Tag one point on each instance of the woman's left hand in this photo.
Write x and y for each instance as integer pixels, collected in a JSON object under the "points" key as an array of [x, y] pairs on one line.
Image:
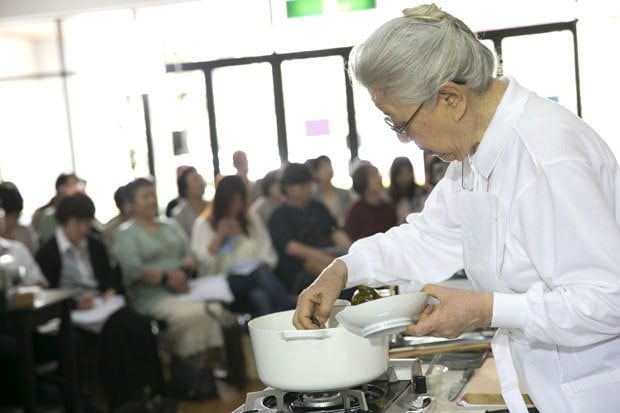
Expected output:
{"points": [[177, 281], [109, 293], [189, 262], [458, 311]]}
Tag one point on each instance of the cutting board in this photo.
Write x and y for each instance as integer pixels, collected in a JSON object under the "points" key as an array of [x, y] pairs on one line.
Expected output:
{"points": [[484, 386]]}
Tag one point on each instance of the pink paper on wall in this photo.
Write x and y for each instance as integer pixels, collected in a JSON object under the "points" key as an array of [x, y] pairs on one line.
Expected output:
{"points": [[317, 127]]}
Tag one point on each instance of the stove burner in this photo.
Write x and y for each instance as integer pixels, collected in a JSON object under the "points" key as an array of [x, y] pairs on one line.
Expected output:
{"points": [[321, 400], [351, 400], [374, 393], [365, 398]]}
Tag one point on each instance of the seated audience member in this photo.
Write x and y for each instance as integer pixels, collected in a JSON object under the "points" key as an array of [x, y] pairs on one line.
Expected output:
{"points": [[124, 214], [405, 194], [191, 186], [435, 170], [74, 257], [9, 366], [229, 239], [241, 164], [337, 200], [370, 214], [43, 219], [264, 205], [32, 274], [13, 205], [305, 235], [173, 202], [156, 262]]}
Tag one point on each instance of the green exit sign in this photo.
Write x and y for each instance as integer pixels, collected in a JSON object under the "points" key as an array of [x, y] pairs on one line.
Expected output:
{"points": [[305, 8], [352, 5]]}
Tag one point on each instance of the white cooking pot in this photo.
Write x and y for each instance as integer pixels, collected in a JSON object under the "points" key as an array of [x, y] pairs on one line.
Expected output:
{"points": [[314, 360]]}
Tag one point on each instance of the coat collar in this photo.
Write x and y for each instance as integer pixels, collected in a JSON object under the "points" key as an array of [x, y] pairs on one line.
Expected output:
{"points": [[502, 124], [64, 244]]}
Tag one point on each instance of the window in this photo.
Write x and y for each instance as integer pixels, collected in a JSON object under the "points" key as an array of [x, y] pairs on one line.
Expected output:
{"points": [[33, 133], [104, 90], [316, 113], [29, 49], [245, 117], [377, 143], [544, 64], [178, 107], [34, 138]]}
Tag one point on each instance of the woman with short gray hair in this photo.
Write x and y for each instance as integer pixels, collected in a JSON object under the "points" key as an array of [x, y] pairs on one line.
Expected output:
{"points": [[529, 207]]}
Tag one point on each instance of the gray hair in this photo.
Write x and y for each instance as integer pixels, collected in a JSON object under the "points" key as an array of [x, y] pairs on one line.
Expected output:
{"points": [[409, 58]]}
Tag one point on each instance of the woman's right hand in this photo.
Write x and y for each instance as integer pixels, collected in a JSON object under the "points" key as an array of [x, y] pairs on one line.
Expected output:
{"points": [[228, 226], [86, 301], [315, 302], [177, 281]]}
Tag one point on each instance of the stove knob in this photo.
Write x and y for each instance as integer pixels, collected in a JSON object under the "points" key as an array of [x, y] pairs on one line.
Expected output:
{"points": [[419, 385]]}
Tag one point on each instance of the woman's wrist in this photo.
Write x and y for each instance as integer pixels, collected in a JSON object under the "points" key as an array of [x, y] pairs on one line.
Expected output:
{"points": [[214, 246], [341, 271], [189, 271]]}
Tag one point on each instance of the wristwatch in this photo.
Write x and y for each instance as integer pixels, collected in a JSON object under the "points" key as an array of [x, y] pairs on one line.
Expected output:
{"points": [[189, 271], [164, 278]]}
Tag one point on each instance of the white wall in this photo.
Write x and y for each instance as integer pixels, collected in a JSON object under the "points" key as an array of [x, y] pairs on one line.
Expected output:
{"points": [[34, 9], [599, 62]]}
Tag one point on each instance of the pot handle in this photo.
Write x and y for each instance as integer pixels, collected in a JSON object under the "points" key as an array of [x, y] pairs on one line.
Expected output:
{"points": [[319, 334]]}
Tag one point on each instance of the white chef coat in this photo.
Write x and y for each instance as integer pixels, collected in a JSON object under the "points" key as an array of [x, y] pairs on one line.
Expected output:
{"points": [[556, 257]]}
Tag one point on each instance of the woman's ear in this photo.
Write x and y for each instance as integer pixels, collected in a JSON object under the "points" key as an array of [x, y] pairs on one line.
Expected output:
{"points": [[453, 98]]}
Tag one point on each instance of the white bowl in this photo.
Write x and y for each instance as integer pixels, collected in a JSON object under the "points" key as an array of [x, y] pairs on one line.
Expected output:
{"points": [[383, 316]]}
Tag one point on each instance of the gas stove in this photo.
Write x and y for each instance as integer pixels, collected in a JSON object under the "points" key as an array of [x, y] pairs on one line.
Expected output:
{"points": [[400, 389]]}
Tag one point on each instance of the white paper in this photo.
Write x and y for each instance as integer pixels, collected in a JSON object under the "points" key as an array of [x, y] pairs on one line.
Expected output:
{"points": [[209, 288], [94, 319], [245, 267], [50, 328], [91, 320]]}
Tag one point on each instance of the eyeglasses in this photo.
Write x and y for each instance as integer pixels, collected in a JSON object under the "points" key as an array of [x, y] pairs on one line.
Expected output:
{"points": [[401, 132]]}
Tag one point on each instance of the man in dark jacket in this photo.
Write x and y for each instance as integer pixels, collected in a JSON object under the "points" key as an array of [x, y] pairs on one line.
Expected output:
{"points": [[305, 235]]}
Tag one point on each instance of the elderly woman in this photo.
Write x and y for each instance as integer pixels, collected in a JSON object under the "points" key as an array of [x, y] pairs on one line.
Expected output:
{"points": [[529, 206], [156, 261]]}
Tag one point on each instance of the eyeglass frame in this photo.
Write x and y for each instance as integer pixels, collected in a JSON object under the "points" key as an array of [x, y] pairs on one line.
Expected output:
{"points": [[400, 132]]}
